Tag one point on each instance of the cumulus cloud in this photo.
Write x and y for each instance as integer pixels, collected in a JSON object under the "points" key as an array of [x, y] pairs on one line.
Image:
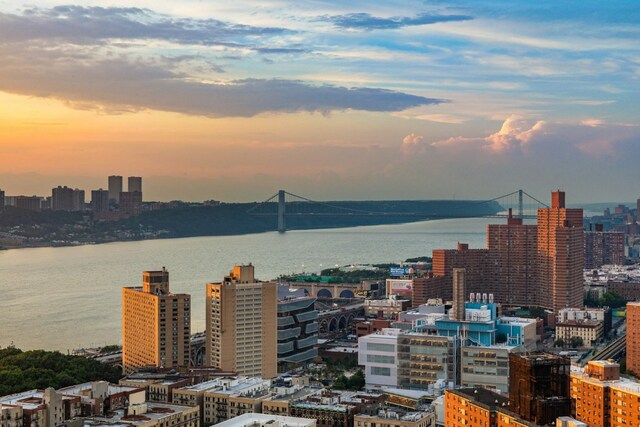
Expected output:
{"points": [[529, 137], [514, 135], [412, 144], [367, 22]]}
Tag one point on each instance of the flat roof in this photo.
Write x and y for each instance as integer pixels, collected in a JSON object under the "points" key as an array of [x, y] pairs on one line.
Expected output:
{"points": [[298, 394], [242, 385], [264, 419], [412, 394], [30, 399], [155, 411], [486, 397], [78, 389]]}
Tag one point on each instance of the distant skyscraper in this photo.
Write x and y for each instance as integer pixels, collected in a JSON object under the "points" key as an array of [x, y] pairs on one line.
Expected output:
{"points": [[156, 324], [134, 183], [1, 200], [561, 253], [115, 188], [241, 331], [62, 198], [77, 200], [100, 200]]}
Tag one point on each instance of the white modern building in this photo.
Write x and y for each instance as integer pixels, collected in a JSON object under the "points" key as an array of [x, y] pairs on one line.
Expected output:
{"points": [[378, 354]]}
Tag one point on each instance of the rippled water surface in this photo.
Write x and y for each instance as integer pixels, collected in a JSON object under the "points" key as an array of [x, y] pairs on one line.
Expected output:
{"points": [[65, 298]]}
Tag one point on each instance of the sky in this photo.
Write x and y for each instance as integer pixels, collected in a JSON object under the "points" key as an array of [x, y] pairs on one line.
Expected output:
{"points": [[331, 100]]}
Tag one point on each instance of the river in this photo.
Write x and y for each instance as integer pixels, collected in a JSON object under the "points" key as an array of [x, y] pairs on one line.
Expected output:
{"points": [[70, 297]]}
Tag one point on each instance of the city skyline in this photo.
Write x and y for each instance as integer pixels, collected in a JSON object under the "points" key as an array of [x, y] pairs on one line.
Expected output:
{"points": [[401, 100]]}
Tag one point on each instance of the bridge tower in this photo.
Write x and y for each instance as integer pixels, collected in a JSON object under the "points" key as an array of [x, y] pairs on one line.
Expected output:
{"points": [[520, 204], [282, 227]]}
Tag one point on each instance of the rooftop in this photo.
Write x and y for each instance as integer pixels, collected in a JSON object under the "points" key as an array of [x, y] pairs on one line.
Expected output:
{"points": [[155, 411], [27, 399], [205, 386], [488, 398], [252, 419], [411, 394], [623, 384], [242, 385], [85, 388], [390, 414], [295, 393]]}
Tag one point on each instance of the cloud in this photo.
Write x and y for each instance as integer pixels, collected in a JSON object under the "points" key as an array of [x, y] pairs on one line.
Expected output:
{"points": [[413, 144], [125, 84], [531, 138], [367, 22], [96, 25]]}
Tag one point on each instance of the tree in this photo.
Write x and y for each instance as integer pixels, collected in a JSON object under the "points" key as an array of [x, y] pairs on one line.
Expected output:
{"points": [[20, 371], [559, 343], [576, 342]]}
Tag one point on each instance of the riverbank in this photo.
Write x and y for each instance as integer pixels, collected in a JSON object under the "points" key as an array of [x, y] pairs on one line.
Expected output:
{"points": [[27, 229]]}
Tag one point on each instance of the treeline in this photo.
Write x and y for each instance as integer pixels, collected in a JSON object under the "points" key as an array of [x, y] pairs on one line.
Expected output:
{"points": [[234, 218], [608, 299], [39, 369]]}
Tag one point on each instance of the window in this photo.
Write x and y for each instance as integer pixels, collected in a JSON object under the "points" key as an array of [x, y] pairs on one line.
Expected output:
{"points": [[372, 346], [385, 372], [376, 358]]}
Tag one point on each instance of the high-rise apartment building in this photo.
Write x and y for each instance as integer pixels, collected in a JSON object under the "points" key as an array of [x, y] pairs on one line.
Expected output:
{"points": [[241, 319], [156, 324], [603, 247], [134, 183], [561, 253], [523, 265], [67, 199], [130, 203], [115, 188], [77, 200], [633, 337], [100, 200], [62, 198], [513, 247], [32, 203]]}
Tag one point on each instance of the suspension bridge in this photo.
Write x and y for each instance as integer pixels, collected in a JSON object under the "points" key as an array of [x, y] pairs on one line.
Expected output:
{"points": [[285, 205]]}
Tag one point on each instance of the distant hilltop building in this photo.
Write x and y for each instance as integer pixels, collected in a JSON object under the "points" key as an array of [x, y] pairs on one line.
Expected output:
{"points": [[134, 183], [67, 199], [100, 201], [115, 188], [121, 204]]}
